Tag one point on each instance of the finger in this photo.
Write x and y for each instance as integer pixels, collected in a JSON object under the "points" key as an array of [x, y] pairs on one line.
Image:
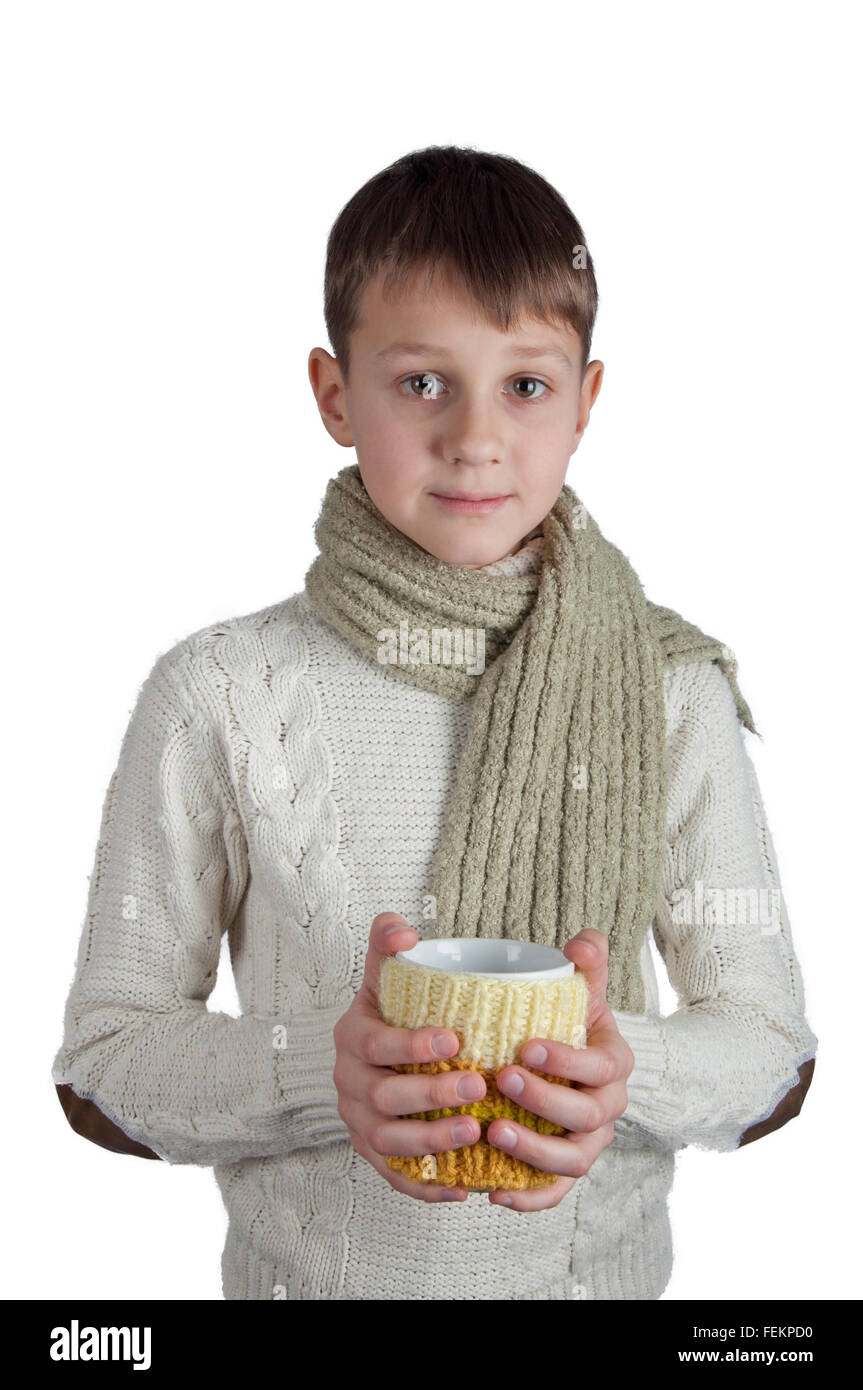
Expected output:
{"points": [[604, 1060], [413, 1138], [568, 1155], [533, 1198], [389, 933], [392, 1121], [588, 952], [568, 1106], [409, 1093], [364, 1030], [398, 1094], [380, 1044], [423, 1191]]}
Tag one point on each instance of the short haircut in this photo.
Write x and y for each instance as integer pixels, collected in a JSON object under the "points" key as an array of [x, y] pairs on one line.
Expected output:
{"points": [[491, 221]]}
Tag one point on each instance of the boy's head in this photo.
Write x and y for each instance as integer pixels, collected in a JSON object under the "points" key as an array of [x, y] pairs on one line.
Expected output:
{"points": [[460, 300]]}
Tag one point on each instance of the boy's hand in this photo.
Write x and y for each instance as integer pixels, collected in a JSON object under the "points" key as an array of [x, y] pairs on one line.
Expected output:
{"points": [[587, 1113], [372, 1097]]}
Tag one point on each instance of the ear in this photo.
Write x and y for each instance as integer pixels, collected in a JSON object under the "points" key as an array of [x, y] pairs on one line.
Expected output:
{"points": [[329, 389], [588, 392]]}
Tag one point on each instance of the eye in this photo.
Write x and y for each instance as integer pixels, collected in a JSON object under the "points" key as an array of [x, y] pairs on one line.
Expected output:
{"points": [[426, 380], [530, 380], [422, 384]]}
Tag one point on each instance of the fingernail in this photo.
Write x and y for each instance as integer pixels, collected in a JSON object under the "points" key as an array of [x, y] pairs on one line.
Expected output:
{"points": [[505, 1202], [399, 926], [441, 1044], [462, 1134], [505, 1138], [535, 1055], [512, 1085]]}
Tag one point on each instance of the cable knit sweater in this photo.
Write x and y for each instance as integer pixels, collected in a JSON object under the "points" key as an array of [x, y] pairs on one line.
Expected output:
{"points": [[275, 785]]}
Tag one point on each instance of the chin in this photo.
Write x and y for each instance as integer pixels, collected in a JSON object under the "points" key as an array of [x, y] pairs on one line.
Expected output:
{"points": [[468, 557], [461, 550]]}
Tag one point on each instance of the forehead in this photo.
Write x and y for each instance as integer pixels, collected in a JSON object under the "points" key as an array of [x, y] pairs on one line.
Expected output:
{"points": [[430, 308]]}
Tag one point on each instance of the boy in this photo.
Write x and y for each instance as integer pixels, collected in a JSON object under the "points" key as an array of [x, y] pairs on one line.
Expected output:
{"points": [[288, 775]]}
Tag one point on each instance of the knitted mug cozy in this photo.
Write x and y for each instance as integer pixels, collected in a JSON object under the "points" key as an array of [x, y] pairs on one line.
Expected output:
{"points": [[494, 1018]]}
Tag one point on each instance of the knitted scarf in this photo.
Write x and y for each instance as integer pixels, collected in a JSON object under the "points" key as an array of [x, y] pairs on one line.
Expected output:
{"points": [[557, 819]]}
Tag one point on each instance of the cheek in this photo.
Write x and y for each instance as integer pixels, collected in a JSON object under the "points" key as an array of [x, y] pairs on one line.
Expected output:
{"points": [[391, 480], [545, 490], [391, 457]]}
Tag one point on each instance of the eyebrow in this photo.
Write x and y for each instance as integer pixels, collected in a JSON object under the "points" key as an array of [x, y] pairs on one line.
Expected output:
{"points": [[434, 350]]}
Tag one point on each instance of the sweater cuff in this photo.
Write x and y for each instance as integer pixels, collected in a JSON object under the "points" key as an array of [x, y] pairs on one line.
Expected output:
{"points": [[643, 1033], [293, 1102], [304, 1053], [634, 1128]]}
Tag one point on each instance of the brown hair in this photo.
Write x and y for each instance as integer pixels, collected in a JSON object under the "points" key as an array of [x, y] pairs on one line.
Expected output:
{"points": [[492, 221]]}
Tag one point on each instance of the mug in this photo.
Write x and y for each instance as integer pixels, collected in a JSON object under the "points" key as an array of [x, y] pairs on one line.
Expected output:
{"points": [[495, 994]]}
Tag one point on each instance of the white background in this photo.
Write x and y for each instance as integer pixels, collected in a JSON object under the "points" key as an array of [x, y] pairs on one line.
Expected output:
{"points": [[170, 172]]}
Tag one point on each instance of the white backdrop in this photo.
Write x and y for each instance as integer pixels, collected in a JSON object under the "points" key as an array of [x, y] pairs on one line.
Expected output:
{"points": [[170, 172]]}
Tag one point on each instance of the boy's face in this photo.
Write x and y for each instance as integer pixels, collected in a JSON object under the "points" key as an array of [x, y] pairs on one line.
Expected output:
{"points": [[441, 403]]}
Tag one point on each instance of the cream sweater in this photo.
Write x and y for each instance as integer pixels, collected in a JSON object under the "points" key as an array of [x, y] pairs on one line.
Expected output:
{"points": [[275, 785]]}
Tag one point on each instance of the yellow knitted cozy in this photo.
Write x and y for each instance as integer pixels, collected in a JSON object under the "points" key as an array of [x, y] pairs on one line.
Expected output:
{"points": [[493, 1019]]}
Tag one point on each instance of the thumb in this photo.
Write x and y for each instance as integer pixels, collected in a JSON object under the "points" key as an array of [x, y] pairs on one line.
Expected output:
{"points": [[389, 933], [589, 953]]}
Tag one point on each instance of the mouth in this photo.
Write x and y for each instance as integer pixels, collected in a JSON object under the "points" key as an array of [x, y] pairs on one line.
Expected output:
{"points": [[471, 502]]}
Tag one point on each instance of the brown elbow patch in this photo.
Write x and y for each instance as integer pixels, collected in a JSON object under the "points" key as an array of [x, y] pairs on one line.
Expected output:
{"points": [[87, 1119], [788, 1107]]}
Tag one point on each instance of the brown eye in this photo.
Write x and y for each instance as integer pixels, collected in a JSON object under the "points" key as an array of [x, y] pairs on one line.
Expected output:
{"points": [[426, 382], [533, 382]]}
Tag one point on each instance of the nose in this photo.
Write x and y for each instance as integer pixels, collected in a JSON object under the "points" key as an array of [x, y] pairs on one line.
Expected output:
{"points": [[473, 434]]}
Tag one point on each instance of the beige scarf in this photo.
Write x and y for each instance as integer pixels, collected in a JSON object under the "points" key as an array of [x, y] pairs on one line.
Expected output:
{"points": [[557, 819]]}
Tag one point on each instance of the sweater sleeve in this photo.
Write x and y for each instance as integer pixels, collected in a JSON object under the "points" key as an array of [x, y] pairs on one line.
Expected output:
{"points": [[724, 1060], [171, 868]]}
